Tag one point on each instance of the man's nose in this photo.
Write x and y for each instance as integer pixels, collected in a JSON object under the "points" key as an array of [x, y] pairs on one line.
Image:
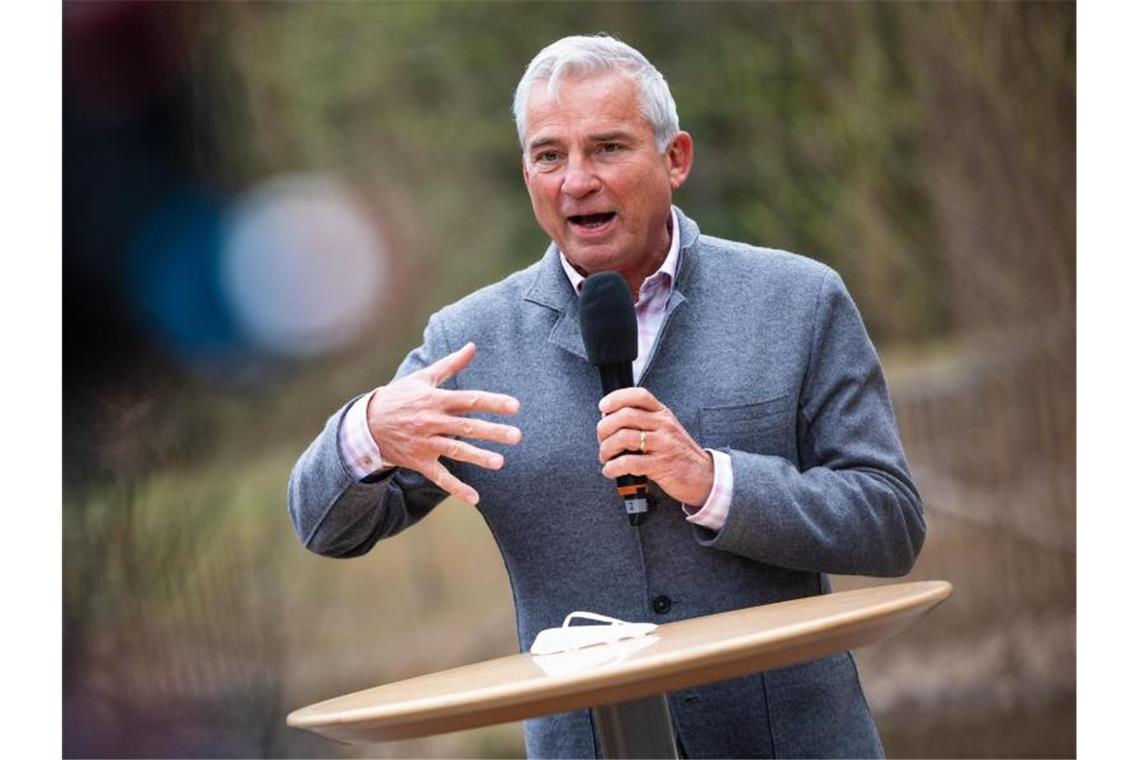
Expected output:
{"points": [[579, 180]]}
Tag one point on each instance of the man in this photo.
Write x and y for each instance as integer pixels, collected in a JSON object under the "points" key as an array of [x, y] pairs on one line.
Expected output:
{"points": [[760, 416]]}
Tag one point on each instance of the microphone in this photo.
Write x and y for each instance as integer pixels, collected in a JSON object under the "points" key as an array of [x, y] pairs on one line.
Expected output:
{"points": [[609, 330]]}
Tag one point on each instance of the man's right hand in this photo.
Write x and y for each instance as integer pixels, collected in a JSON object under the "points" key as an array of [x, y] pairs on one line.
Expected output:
{"points": [[414, 422]]}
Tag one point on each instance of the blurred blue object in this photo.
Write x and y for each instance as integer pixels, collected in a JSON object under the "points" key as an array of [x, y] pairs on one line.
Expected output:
{"points": [[174, 281]]}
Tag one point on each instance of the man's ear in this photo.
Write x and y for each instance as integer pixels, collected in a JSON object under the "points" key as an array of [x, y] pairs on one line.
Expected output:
{"points": [[525, 172], [679, 156]]}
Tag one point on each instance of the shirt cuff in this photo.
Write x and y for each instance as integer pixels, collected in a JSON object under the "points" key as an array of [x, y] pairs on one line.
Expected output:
{"points": [[357, 446], [714, 513]]}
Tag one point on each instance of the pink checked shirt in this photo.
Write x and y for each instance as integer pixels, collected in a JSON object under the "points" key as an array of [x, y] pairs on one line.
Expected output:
{"points": [[363, 455]]}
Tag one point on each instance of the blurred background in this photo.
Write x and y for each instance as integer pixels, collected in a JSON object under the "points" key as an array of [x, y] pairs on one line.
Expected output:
{"points": [[262, 203]]}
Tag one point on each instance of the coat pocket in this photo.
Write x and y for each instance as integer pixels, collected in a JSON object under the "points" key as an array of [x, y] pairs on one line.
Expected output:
{"points": [[761, 427]]}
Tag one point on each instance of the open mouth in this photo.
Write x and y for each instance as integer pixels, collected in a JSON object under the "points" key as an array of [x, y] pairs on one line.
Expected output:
{"points": [[591, 221]]}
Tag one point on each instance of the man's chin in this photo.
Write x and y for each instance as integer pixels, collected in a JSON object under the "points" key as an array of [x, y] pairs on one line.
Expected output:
{"points": [[607, 253], [591, 261]]}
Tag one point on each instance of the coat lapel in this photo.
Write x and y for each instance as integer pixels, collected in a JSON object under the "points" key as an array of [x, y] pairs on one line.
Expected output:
{"points": [[552, 289], [684, 275]]}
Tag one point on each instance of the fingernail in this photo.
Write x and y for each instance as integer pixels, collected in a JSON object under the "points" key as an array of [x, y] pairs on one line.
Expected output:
{"points": [[515, 435], [496, 462]]}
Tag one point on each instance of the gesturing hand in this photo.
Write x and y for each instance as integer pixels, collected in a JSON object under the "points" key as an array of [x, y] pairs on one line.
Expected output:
{"points": [[414, 423], [669, 457]]}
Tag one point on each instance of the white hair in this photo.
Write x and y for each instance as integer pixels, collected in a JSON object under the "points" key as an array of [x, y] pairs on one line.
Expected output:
{"points": [[580, 56]]}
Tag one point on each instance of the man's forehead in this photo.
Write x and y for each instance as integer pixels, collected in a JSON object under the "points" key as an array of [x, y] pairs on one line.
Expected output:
{"points": [[600, 104]]}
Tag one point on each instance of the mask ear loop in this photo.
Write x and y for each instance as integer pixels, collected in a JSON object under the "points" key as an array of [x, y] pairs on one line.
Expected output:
{"points": [[591, 616]]}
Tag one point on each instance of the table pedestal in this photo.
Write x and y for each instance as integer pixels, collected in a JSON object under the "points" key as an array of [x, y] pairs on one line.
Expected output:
{"points": [[639, 728]]}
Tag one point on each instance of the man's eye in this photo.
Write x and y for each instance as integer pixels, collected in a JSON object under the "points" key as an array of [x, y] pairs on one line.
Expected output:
{"points": [[546, 157], [610, 148]]}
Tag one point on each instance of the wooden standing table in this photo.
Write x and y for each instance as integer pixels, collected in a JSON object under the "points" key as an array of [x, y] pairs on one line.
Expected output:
{"points": [[625, 682]]}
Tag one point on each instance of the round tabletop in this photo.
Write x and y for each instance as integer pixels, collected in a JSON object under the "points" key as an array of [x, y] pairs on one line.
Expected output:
{"points": [[675, 656]]}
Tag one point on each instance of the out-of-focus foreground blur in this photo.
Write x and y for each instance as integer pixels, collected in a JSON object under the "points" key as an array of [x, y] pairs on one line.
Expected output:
{"points": [[264, 202]]}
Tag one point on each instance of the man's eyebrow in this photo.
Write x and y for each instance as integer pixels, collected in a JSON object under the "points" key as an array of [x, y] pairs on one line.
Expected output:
{"points": [[617, 135], [541, 142], [614, 136]]}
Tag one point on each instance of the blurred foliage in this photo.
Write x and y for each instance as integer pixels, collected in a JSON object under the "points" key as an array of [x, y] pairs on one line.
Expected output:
{"points": [[855, 133], [926, 151]]}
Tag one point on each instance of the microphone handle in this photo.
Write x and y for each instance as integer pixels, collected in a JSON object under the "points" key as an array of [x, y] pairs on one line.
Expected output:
{"points": [[634, 489], [615, 376]]}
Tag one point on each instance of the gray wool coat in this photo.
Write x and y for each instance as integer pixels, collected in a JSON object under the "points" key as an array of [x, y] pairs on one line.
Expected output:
{"points": [[763, 355]]}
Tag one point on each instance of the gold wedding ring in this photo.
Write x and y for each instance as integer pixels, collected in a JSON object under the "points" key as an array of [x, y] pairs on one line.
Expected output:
{"points": [[641, 448]]}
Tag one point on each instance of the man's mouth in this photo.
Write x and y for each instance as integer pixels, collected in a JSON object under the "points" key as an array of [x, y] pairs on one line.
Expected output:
{"points": [[591, 221]]}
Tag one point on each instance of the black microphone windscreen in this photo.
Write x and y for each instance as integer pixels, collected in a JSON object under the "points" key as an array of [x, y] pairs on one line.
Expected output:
{"points": [[609, 324]]}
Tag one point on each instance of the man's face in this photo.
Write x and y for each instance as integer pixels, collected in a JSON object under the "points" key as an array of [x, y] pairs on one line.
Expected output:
{"points": [[598, 186]]}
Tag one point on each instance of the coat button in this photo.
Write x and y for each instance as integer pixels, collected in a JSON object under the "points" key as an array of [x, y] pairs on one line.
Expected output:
{"points": [[662, 604]]}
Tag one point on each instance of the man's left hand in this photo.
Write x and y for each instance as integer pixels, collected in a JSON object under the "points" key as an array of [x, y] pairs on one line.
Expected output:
{"points": [[670, 457]]}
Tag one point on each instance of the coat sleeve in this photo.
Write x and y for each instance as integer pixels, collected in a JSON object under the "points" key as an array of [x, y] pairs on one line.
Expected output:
{"points": [[851, 506], [336, 515]]}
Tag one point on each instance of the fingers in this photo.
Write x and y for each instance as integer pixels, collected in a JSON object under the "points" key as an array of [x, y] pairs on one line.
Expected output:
{"points": [[628, 417], [465, 452], [467, 427], [623, 441], [638, 398], [450, 365], [627, 464], [439, 475], [461, 402]]}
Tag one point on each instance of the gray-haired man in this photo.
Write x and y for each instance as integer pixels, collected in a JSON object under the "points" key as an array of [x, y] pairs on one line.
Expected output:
{"points": [[760, 415]]}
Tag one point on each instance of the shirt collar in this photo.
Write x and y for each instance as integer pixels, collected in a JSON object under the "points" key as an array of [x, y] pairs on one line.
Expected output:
{"points": [[667, 271]]}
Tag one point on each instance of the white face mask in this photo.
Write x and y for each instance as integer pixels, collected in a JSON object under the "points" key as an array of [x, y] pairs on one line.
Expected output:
{"points": [[570, 638]]}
